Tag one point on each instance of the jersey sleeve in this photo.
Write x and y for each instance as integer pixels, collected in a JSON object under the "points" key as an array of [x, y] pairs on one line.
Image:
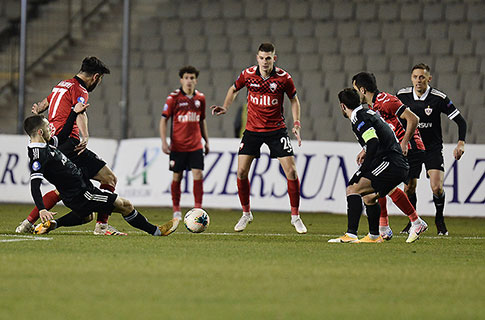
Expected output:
{"points": [[447, 107], [168, 107], [240, 81], [364, 131], [78, 95], [202, 108], [393, 106], [37, 163], [290, 88]]}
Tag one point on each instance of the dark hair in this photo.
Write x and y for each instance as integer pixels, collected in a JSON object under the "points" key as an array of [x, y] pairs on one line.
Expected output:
{"points": [[33, 123], [266, 47], [421, 66], [365, 80], [188, 69], [350, 97], [92, 65]]}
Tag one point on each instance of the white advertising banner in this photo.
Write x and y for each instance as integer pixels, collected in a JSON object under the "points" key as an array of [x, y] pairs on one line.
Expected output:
{"points": [[323, 168], [14, 165]]}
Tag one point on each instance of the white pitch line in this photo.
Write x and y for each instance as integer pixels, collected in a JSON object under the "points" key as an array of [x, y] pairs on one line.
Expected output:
{"points": [[21, 238], [277, 234]]}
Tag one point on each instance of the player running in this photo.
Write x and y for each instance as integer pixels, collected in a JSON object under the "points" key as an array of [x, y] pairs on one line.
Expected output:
{"points": [[62, 98], [186, 109], [404, 123], [428, 103], [266, 85], [383, 168]]}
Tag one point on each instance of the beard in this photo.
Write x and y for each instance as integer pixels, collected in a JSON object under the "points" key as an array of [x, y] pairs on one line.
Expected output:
{"points": [[92, 86]]}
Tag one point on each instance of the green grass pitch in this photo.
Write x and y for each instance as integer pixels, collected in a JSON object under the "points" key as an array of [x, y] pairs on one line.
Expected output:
{"points": [[266, 272]]}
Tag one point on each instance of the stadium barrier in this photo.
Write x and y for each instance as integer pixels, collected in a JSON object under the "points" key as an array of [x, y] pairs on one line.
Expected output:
{"points": [[323, 168]]}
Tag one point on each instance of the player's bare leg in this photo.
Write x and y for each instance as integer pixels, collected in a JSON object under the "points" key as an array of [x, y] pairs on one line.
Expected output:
{"points": [[108, 181], [243, 190], [289, 167], [436, 178]]}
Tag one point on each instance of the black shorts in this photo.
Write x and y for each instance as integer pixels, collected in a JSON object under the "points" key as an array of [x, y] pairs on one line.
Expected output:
{"points": [[87, 161], [415, 160], [384, 177], [180, 161], [91, 200], [434, 160], [278, 142]]}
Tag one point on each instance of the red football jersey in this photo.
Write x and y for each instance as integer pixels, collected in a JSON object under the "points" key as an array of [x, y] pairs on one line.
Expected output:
{"points": [[63, 97], [186, 113], [390, 108], [265, 97]]}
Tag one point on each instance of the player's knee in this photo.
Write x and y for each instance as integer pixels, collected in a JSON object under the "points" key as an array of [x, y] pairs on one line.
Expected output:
{"points": [[242, 173], [437, 189], [88, 218], [370, 199], [410, 189], [127, 205], [291, 174], [350, 190]]}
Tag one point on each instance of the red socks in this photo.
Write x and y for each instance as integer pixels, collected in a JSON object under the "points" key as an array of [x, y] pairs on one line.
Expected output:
{"points": [[402, 202], [198, 193], [103, 217], [243, 189], [384, 219], [294, 193], [176, 195], [50, 200]]}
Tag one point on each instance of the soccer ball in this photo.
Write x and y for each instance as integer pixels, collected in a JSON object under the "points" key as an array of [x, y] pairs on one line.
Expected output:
{"points": [[196, 220]]}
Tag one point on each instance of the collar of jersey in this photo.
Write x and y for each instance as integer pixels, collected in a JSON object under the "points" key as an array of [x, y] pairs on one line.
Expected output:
{"points": [[375, 96], [37, 145], [273, 72], [353, 116], [81, 82], [183, 92], [424, 96]]}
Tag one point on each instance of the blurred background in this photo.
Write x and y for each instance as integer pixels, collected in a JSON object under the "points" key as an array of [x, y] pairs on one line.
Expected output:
{"points": [[322, 44]]}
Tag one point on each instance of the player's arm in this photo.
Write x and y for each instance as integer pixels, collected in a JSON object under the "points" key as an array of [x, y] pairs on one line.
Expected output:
{"points": [[369, 136], [40, 107], [230, 96], [412, 121], [460, 146], [82, 123], [163, 134], [295, 111], [205, 135], [36, 178], [63, 135]]}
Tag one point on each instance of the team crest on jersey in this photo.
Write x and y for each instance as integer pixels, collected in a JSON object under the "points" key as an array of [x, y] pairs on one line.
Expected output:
{"points": [[272, 86], [36, 165], [197, 103], [428, 110]]}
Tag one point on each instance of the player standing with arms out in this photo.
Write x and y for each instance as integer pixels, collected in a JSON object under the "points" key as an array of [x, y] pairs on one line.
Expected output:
{"points": [[404, 123], [428, 103], [62, 98], [76, 191], [382, 170], [266, 85], [186, 109]]}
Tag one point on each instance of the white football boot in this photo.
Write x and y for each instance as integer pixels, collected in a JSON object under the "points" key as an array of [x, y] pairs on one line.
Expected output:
{"points": [[246, 218], [298, 224], [25, 227]]}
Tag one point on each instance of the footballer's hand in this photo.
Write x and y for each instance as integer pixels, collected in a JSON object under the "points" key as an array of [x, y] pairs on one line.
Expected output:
{"points": [[46, 215], [361, 157], [218, 110], [296, 132], [459, 150], [80, 107], [206, 148], [165, 148], [82, 145], [404, 148], [35, 108]]}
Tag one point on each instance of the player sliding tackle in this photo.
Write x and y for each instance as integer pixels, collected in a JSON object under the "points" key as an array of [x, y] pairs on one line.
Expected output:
{"points": [[76, 191]]}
